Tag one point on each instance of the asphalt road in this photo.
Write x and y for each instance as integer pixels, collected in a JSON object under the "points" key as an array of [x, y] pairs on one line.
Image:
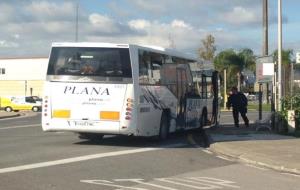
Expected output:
{"points": [[32, 159], [227, 118]]}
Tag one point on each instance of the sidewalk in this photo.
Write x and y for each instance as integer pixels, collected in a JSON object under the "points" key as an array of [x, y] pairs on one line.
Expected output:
{"points": [[261, 148], [4, 114]]}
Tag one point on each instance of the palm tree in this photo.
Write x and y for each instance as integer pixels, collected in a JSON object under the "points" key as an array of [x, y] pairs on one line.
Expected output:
{"points": [[286, 67]]}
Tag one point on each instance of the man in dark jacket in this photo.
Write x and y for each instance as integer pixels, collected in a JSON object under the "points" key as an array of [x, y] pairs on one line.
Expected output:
{"points": [[238, 101]]}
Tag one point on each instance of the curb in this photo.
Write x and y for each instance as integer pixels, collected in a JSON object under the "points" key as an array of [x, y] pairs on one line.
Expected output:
{"points": [[242, 159], [13, 115], [10, 116]]}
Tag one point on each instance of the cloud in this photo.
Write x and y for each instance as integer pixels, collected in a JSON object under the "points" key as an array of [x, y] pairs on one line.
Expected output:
{"points": [[6, 12], [180, 24], [6, 44], [151, 5], [104, 24], [50, 11], [139, 24], [29, 26], [241, 16]]}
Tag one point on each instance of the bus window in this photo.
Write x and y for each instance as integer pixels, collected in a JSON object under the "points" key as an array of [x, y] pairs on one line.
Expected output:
{"points": [[150, 66], [168, 77], [78, 61], [210, 93], [144, 63], [157, 60], [204, 87]]}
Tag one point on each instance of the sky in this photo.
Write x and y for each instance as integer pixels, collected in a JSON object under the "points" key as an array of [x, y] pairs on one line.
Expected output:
{"points": [[28, 27]]}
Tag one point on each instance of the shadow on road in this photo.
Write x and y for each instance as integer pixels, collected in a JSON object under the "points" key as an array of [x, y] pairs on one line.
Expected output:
{"points": [[182, 137]]}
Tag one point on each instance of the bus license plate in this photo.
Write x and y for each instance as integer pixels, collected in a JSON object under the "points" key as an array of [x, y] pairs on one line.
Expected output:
{"points": [[82, 123]]}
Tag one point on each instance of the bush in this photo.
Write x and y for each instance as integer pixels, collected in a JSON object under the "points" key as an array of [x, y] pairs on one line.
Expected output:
{"points": [[279, 123], [280, 119], [292, 103]]}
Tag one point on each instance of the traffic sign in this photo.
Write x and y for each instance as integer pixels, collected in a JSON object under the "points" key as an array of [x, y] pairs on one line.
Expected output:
{"points": [[264, 69]]}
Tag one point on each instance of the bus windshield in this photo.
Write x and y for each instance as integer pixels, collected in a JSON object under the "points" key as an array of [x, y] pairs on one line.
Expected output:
{"points": [[87, 61]]}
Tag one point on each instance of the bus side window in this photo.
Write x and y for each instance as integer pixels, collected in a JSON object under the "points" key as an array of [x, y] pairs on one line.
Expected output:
{"points": [[156, 71], [143, 67], [204, 87], [210, 92], [168, 77], [150, 65]]}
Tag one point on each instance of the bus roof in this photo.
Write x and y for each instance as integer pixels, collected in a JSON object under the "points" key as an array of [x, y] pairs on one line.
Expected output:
{"points": [[156, 49]]}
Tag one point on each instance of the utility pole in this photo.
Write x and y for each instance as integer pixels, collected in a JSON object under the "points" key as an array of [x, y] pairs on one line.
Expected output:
{"points": [[239, 81], [76, 22], [265, 26], [292, 80], [225, 88], [266, 41], [279, 56], [264, 53]]}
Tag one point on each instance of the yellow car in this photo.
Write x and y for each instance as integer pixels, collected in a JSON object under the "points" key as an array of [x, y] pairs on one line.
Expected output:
{"points": [[15, 103]]}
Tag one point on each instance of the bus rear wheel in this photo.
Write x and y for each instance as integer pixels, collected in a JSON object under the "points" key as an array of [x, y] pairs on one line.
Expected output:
{"points": [[164, 127], [95, 137]]}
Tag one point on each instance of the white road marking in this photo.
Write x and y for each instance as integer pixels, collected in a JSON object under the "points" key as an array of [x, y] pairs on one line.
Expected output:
{"points": [[140, 181], [224, 158], [290, 174], [188, 183], [216, 181], [256, 167], [21, 126], [207, 151], [204, 183], [84, 158], [109, 184]]}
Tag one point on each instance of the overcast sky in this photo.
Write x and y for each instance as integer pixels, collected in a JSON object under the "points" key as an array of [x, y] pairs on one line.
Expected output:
{"points": [[28, 27]]}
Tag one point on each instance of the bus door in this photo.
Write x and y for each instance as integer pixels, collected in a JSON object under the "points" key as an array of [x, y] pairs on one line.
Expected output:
{"points": [[182, 85], [215, 89]]}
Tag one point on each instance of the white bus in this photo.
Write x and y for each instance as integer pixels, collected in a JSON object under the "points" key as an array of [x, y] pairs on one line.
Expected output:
{"points": [[97, 89]]}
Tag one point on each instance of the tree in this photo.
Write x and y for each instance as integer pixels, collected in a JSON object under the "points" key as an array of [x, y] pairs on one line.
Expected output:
{"points": [[229, 60], [286, 67], [248, 61], [208, 49], [234, 63], [248, 58]]}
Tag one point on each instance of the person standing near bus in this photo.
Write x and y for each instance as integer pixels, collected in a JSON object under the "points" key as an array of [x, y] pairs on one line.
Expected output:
{"points": [[238, 101]]}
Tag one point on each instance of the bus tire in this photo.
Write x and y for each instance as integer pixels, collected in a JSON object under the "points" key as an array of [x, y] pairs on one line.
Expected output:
{"points": [[203, 119], [35, 109], [94, 137], [8, 109], [164, 127]]}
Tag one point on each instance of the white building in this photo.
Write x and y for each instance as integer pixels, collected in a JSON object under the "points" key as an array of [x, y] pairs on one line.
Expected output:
{"points": [[22, 77]]}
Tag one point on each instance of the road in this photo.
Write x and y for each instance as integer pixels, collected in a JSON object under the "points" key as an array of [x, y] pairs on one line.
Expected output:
{"points": [[32, 159], [227, 118]]}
